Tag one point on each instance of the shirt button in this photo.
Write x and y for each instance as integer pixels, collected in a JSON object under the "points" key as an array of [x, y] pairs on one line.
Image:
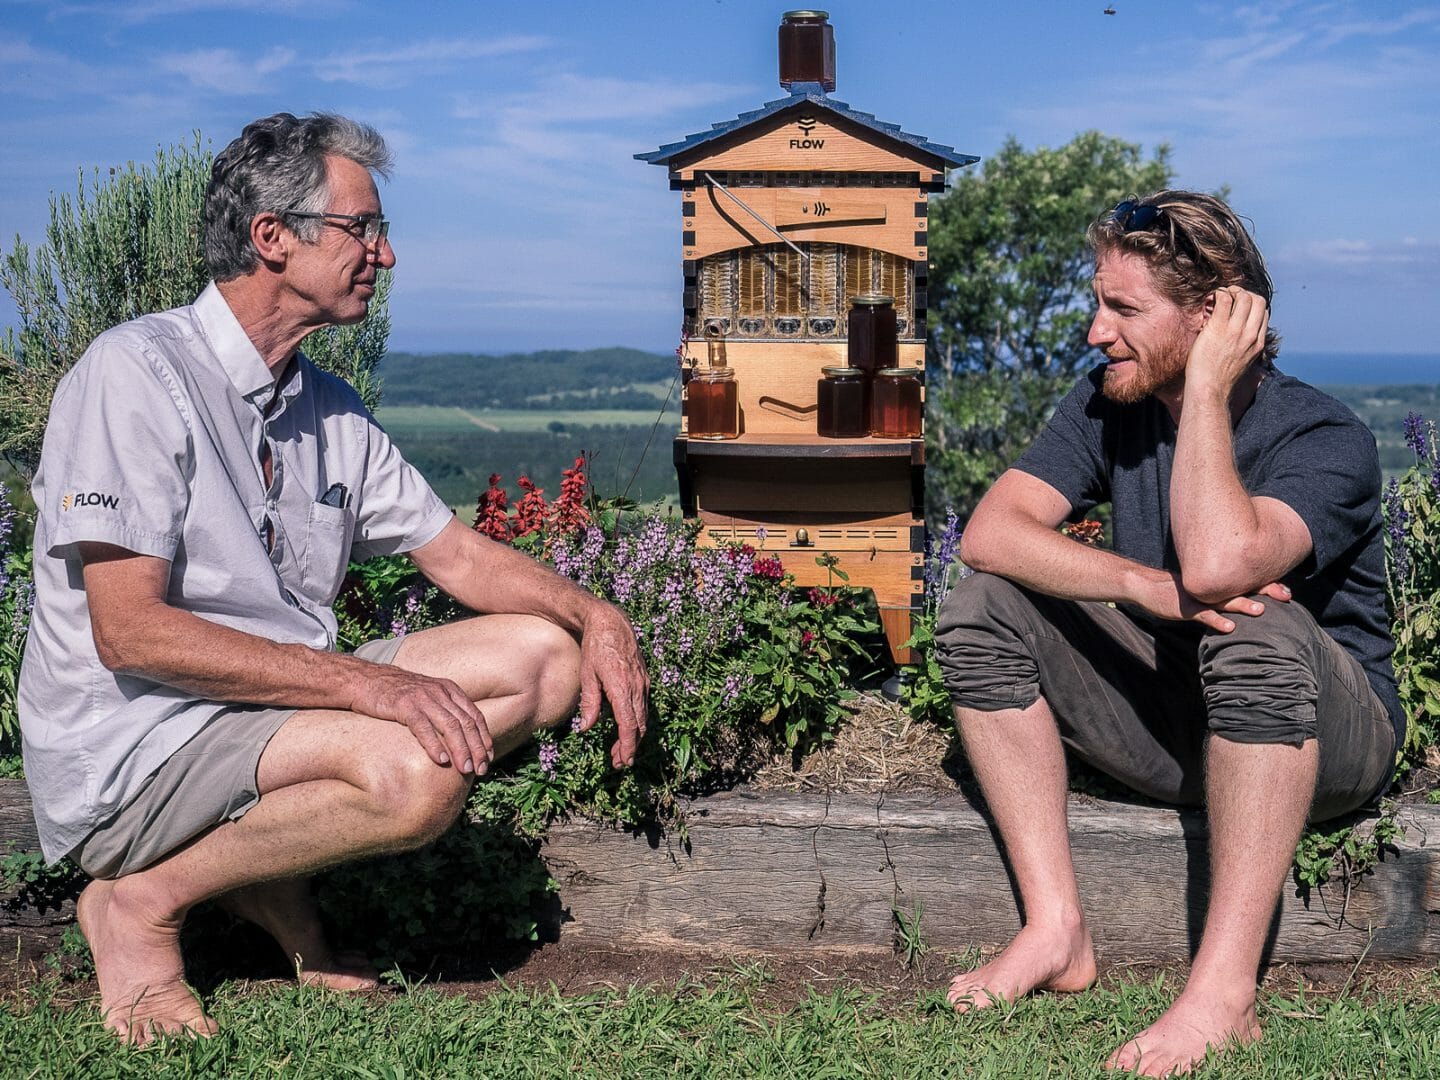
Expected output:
{"points": [[270, 504]]}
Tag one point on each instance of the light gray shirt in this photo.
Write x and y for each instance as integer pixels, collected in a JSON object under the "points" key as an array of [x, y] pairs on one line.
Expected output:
{"points": [[153, 445]]}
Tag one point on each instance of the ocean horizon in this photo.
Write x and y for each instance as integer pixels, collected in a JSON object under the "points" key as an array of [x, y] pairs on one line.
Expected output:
{"points": [[1361, 369]]}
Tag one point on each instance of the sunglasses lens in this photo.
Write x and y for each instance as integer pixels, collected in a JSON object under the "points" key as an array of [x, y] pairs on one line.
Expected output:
{"points": [[1132, 217]]}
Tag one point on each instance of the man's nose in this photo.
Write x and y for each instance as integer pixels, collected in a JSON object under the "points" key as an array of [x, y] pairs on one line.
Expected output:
{"points": [[1101, 332], [382, 253]]}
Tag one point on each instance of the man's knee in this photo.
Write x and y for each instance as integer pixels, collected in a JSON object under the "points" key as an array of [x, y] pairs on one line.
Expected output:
{"points": [[552, 657], [1261, 680], [415, 798], [981, 645]]}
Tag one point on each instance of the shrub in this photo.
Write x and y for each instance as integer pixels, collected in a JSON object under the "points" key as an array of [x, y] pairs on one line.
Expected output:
{"points": [[16, 597], [1412, 564]]}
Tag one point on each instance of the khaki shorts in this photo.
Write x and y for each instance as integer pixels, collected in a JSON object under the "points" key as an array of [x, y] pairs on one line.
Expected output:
{"points": [[207, 782]]}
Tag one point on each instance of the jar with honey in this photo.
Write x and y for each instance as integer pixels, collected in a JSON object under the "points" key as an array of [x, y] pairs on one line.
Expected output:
{"points": [[895, 409], [840, 398], [871, 337], [712, 404]]}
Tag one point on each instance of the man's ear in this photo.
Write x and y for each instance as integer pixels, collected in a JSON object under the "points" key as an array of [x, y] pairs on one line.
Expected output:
{"points": [[271, 238]]}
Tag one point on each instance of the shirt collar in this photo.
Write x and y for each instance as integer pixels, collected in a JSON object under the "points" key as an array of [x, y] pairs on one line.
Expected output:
{"points": [[236, 353]]}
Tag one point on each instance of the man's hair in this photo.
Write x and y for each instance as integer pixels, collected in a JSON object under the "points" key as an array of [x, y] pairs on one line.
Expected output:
{"points": [[278, 164], [1193, 244]]}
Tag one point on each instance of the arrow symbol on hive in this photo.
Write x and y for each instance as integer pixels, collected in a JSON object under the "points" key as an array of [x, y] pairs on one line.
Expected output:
{"points": [[820, 209]]}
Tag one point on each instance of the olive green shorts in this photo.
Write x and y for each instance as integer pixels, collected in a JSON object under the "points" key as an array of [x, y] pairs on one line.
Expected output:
{"points": [[207, 782]]}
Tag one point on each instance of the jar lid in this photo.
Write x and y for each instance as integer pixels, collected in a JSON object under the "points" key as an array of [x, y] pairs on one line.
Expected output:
{"points": [[841, 372], [900, 372], [872, 299], [714, 374], [804, 14]]}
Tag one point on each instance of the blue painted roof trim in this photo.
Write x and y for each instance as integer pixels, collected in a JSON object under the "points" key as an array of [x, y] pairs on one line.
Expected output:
{"points": [[814, 93]]}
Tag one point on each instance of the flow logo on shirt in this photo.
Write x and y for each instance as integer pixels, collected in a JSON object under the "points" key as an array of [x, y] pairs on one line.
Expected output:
{"points": [[89, 498]]}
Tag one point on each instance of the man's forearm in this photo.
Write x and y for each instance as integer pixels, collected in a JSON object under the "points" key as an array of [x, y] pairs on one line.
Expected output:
{"points": [[490, 578], [177, 648], [1212, 516], [1032, 554]]}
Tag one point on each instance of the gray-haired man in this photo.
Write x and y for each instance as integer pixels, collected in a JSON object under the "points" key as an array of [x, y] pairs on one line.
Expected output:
{"points": [[189, 731]]}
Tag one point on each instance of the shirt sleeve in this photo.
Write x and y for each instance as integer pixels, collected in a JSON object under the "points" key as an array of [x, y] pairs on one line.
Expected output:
{"points": [[118, 453], [397, 510], [1068, 454], [1329, 474]]}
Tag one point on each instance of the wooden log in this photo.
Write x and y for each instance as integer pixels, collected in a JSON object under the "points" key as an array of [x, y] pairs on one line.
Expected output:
{"points": [[796, 871]]}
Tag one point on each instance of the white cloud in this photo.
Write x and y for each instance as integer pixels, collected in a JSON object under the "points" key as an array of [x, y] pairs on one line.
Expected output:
{"points": [[227, 71], [1406, 253], [398, 65]]}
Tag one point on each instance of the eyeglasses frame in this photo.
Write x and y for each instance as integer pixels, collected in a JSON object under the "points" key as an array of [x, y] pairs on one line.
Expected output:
{"points": [[368, 223]]}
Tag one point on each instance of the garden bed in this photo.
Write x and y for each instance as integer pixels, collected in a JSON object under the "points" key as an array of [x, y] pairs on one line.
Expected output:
{"points": [[778, 870]]}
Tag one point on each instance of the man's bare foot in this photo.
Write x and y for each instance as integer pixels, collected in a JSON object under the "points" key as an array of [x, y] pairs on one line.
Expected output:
{"points": [[286, 910], [143, 993], [1184, 1034], [1038, 959]]}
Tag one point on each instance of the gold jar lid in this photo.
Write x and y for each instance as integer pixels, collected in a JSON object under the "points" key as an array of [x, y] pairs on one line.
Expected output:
{"points": [[841, 372], [805, 14], [899, 372], [872, 299]]}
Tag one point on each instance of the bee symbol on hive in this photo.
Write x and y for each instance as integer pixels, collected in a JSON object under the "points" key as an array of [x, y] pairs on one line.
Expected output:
{"points": [[820, 209], [806, 125]]}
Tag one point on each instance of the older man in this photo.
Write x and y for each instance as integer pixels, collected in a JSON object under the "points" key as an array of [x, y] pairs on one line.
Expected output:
{"points": [[1232, 649], [190, 731]]}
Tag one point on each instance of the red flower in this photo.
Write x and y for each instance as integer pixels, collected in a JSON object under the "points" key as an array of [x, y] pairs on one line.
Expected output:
{"points": [[490, 515], [822, 599], [769, 567], [531, 510], [568, 513]]}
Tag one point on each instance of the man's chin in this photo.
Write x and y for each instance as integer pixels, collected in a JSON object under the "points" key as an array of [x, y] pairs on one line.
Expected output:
{"points": [[1121, 389]]}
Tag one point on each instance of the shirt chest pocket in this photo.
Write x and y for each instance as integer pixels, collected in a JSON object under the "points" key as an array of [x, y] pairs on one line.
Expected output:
{"points": [[328, 533]]}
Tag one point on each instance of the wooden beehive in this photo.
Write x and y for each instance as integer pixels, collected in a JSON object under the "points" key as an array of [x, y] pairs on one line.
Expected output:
{"points": [[788, 212]]}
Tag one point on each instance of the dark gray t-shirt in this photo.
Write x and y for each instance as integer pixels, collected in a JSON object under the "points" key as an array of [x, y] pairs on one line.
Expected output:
{"points": [[1293, 444]]}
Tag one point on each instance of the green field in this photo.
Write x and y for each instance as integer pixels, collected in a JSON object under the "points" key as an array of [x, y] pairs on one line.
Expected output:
{"points": [[458, 449], [454, 418]]}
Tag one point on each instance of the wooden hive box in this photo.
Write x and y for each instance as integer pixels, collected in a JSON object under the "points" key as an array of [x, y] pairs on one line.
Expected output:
{"points": [[788, 213]]}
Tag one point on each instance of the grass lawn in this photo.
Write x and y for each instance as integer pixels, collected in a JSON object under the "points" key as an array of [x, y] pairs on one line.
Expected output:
{"points": [[726, 1026]]}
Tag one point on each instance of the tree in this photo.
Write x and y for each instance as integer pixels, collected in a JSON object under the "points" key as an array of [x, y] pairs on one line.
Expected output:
{"points": [[1009, 300], [128, 245]]}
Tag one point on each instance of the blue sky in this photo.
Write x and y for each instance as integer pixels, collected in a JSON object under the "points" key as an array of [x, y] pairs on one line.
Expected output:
{"points": [[522, 220]]}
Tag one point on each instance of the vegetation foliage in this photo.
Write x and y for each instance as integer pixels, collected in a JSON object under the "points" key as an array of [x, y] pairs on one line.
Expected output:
{"points": [[551, 379]]}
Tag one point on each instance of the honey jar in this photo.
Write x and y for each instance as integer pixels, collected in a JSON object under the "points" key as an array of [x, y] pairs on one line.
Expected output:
{"points": [[895, 410], [712, 404], [840, 398]]}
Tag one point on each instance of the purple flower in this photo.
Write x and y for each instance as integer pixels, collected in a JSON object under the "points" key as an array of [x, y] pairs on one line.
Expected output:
{"points": [[1397, 529], [549, 759], [1415, 433]]}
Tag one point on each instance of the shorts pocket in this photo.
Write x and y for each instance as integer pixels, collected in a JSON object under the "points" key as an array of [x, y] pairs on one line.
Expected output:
{"points": [[327, 551]]}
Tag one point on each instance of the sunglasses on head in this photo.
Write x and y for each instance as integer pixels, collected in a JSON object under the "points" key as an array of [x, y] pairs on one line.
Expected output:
{"points": [[1131, 216]]}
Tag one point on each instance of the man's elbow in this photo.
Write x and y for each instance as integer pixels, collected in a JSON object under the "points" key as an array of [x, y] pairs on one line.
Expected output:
{"points": [[1215, 581], [978, 548], [118, 651]]}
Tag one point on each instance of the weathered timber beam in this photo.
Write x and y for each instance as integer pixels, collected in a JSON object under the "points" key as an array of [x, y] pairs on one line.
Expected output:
{"points": [[783, 871]]}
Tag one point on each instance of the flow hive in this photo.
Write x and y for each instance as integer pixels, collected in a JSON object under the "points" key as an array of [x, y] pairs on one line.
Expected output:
{"points": [[789, 212]]}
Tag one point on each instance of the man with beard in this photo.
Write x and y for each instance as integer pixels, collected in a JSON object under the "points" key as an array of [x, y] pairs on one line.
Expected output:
{"points": [[1232, 650]]}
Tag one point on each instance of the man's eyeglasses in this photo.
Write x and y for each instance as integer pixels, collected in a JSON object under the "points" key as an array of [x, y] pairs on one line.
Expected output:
{"points": [[1131, 216], [369, 229]]}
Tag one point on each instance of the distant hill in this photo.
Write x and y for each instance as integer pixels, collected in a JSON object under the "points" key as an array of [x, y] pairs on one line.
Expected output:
{"points": [[557, 379]]}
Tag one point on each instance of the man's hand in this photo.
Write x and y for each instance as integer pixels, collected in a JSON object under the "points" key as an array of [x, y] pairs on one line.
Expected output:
{"points": [[446, 723], [610, 666], [1164, 597], [1232, 337]]}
